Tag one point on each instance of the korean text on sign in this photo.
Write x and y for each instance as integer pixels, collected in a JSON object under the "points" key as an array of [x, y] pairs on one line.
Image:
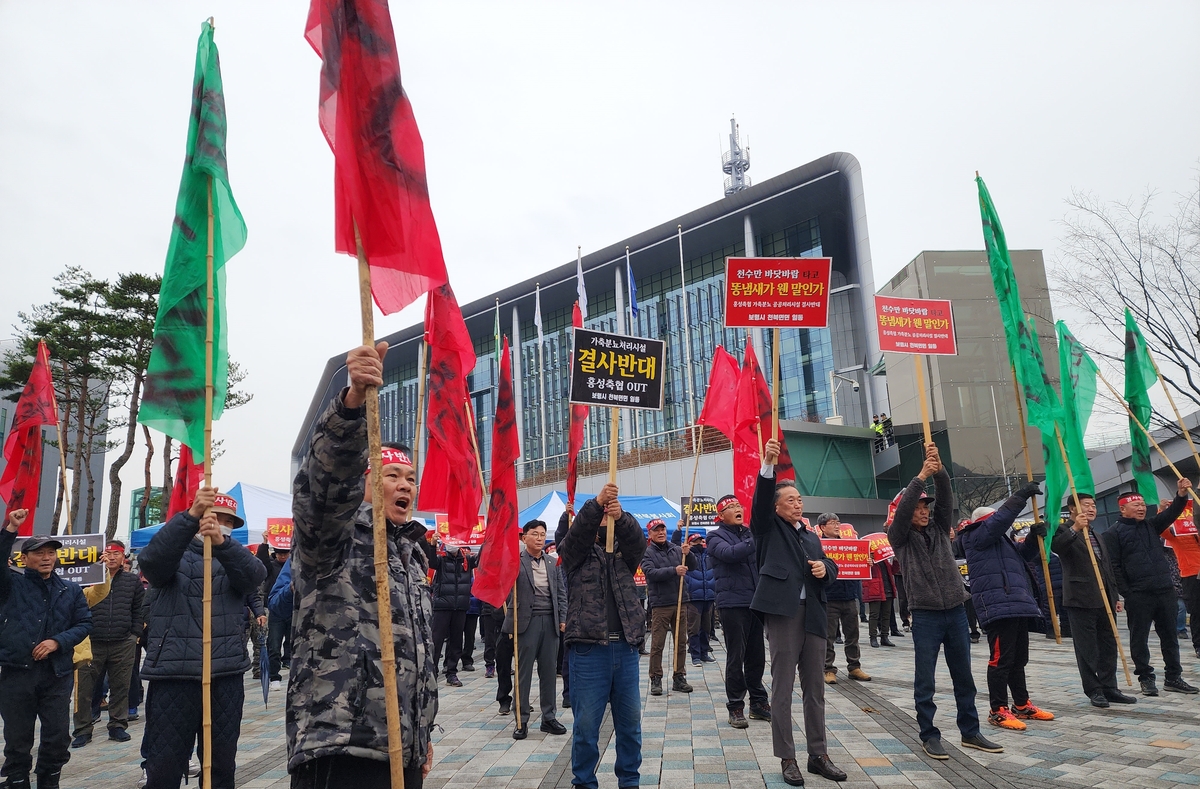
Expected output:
{"points": [[915, 326], [777, 292], [612, 370]]}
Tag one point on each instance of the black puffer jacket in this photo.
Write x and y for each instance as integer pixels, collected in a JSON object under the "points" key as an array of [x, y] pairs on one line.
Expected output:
{"points": [[173, 563], [452, 581], [1135, 553], [662, 582], [273, 566], [119, 614], [591, 572]]}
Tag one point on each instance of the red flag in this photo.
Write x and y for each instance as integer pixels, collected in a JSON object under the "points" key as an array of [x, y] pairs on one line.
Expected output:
{"points": [[379, 160], [500, 557], [23, 449], [720, 401], [188, 477], [579, 415], [450, 479], [753, 412]]}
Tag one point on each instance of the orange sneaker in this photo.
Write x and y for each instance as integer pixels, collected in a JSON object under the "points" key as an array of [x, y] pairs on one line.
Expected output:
{"points": [[1032, 713], [1005, 720]]}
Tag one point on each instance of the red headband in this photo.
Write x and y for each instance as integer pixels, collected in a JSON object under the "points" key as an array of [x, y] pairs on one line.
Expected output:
{"points": [[1129, 497], [391, 456], [726, 502], [228, 502]]}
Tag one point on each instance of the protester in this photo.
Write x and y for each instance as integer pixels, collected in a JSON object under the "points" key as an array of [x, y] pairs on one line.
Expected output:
{"points": [[936, 596], [879, 592], [960, 557], [490, 619], [470, 628], [665, 565], [1091, 631], [454, 574], [1134, 549], [541, 614], [605, 627], [1005, 603], [793, 577], [1186, 545], [173, 562], [116, 627], [45, 618], [701, 592], [278, 629], [841, 610], [336, 719]]}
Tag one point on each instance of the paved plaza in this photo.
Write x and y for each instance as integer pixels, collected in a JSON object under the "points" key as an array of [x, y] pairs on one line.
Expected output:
{"points": [[687, 742]]}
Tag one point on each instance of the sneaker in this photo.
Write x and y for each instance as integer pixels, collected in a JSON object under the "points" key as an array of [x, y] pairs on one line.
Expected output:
{"points": [[981, 743], [81, 740], [906, 628], [974, 638], [453, 681], [193, 768], [1004, 719], [1149, 687], [505, 708], [708, 658], [737, 720], [119, 735], [860, 675], [468, 666], [1032, 713], [697, 661], [680, 684], [656, 686], [934, 749], [760, 712], [1179, 686], [133, 714], [830, 677], [489, 672], [141, 783], [839, 640]]}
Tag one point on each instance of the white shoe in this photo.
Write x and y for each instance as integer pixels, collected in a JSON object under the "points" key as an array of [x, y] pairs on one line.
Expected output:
{"points": [[276, 685], [141, 784], [193, 768]]}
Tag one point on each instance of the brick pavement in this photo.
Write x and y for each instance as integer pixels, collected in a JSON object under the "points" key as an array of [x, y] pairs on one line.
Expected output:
{"points": [[686, 741]]}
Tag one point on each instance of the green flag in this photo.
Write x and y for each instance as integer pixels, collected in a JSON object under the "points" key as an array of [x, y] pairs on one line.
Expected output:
{"points": [[1077, 372], [1140, 375], [175, 380], [1052, 458]]}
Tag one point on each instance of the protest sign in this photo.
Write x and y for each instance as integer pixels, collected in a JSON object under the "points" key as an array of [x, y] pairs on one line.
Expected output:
{"points": [[852, 557], [847, 532], [699, 511], [880, 547], [1185, 524], [617, 371], [915, 326], [78, 558], [777, 292], [442, 527], [278, 533]]}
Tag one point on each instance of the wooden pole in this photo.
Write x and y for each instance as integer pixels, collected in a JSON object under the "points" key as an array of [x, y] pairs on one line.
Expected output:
{"points": [[1112, 622], [475, 445], [923, 397], [62, 453], [383, 586], [775, 384], [416, 447], [612, 475], [687, 520], [1033, 503], [1187, 434], [206, 605], [516, 663]]}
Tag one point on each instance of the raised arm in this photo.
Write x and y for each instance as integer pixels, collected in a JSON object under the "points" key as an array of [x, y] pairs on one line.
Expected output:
{"points": [[579, 539], [7, 538], [1163, 520], [160, 560], [992, 530], [901, 528], [628, 538]]}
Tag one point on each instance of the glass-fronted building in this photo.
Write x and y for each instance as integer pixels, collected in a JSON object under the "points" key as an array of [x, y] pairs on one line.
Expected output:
{"points": [[816, 210]]}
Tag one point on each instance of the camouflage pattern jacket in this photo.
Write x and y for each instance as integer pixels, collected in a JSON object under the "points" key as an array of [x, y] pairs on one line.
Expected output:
{"points": [[335, 690]]}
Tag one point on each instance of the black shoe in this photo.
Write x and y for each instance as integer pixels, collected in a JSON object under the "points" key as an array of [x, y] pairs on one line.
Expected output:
{"points": [[16, 782], [738, 720], [1098, 700], [974, 638], [680, 684], [643, 651], [708, 658], [839, 640], [887, 642], [875, 642], [566, 702], [656, 686], [791, 773], [453, 681], [1117, 697], [468, 667], [521, 732], [820, 765], [553, 727], [1149, 687], [981, 743], [48, 780], [505, 708], [119, 735], [81, 740], [935, 750], [1179, 686], [760, 712], [897, 634]]}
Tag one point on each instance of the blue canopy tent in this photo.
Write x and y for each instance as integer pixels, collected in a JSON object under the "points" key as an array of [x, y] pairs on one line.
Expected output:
{"points": [[141, 537], [550, 508]]}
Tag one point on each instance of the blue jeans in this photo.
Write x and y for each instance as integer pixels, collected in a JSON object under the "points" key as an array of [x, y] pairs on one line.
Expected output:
{"points": [[931, 631], [602, 675]]}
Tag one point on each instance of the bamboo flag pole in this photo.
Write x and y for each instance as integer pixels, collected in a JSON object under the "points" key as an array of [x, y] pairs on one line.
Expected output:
{"points": [[757, 422], [1187, 434], [1062, 449], [1033, 503], [687, 520], [475, 445], [62, 453], [516, 663], [612, 475], [416, 447], [923, 397], [206, 605], [775, 383], [383, 586]]}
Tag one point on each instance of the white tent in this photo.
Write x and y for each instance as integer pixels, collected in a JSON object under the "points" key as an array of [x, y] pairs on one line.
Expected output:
{"points": [[256, 504]]}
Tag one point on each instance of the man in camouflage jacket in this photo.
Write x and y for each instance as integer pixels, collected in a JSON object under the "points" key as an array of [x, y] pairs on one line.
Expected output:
{"points": [[336, 722]]}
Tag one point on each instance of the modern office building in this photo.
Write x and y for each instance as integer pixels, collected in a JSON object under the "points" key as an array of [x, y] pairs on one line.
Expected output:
{"points": [[814, 210], [972, 401]]}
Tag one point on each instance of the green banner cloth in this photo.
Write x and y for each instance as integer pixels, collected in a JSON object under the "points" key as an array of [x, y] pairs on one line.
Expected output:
{"points": [[1077, 373], [1140, 375]]}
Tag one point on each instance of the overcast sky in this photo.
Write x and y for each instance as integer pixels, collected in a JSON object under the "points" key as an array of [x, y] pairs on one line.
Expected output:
{"points": [[551, 125]]}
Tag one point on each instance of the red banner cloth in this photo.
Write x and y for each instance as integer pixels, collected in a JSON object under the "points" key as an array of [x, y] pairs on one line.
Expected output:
{"points": [[450, 480], [579, 415], [189, 475], [753, 411], [23, 449], [500, 558], [379, 159], [720, 400]]}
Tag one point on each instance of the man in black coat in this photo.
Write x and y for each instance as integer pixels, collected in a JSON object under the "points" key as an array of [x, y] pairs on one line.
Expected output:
{"points": [[44, 617], [453, 577], [793, 574], [116, 627], [665, 565], [1134, 548]]}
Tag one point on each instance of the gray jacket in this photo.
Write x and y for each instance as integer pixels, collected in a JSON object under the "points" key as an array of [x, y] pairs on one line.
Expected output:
{"points": [[335, 692], [931, 576], [558, 594]]}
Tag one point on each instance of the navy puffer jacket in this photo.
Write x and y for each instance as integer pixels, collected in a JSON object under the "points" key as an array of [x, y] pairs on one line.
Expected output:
{"points": [[731, 552], [173, 563], [1000, 583], [662, 582], [701, 583], [455, 574]]}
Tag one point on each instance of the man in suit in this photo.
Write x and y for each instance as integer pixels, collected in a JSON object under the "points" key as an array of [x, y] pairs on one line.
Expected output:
{"points": [[793, 576], [541, 616]]}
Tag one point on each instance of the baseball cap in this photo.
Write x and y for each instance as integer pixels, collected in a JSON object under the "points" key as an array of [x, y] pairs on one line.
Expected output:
{"points": [[39, 541], [657, 523]]}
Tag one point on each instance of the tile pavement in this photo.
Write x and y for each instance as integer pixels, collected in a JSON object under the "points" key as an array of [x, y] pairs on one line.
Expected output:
{"points": [[1153, 744]]}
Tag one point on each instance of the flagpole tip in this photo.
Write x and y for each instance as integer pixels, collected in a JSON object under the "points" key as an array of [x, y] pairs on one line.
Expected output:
{"points": [[212, 23], [976, 173]]}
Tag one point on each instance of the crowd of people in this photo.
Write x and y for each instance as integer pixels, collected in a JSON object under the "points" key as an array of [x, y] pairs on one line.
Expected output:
{"points": [[576, 611]]}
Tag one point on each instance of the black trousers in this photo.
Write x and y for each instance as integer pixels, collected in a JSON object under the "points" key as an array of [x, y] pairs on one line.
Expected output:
{"points": [[902, 601], [490, 626], [468, 643], [972, 618], [352, 772], [1008, 640], [173, 724], [745, 658], [1095, 649], [278, 629], [1143, 609], [116, 658], [504, 661], [448, 629], [26, 697], [1191, 599]]}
